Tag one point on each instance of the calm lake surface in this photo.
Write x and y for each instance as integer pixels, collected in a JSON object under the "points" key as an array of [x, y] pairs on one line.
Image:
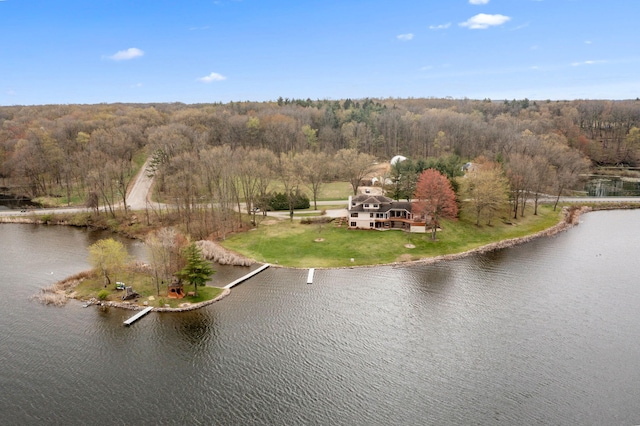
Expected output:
{"points": [[543, 333]]}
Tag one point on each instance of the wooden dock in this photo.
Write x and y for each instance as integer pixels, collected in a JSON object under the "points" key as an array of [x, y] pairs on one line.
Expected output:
{"points": [[310, 276], [139, 315], [246, 277]]}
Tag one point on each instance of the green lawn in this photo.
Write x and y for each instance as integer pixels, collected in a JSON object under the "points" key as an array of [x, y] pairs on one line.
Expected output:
{"points": [[334, 191], [294, 244], [331, 191]]}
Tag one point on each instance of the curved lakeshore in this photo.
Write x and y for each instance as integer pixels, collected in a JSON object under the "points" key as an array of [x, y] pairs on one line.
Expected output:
{"points": [[65, 288], [518, 317]]}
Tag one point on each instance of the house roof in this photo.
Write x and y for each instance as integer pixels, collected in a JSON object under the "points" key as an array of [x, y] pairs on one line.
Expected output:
{"points": [[393, 205], [396, 205], [368, 198]]}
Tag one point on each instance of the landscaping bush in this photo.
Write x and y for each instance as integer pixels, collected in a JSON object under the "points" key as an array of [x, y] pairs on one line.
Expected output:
{"points": [[103, 294], [316, 220], [280, 201]]}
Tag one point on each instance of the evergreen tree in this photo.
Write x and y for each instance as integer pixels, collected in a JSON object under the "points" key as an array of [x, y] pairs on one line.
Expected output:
{"points": [[198, 270]]}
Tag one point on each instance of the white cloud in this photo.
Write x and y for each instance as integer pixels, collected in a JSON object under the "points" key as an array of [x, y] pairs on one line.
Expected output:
{"points": [[405, 37], [214, 76], [478, 1], [124, 55], [482, 21], [440, 27], [587, 42], [577, 64]]}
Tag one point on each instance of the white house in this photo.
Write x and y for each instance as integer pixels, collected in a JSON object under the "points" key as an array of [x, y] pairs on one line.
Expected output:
{"points": [[368, 211]]}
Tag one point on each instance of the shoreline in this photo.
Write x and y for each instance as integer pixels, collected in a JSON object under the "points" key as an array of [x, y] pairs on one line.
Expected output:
{"points": [[190, 307], [571, 216]]}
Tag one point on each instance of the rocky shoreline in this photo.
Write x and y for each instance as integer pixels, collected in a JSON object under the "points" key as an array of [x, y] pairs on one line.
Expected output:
{"points": [[183, 308]]}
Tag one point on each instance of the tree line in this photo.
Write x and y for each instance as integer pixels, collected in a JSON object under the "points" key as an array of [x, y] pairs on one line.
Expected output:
{"points": [[208, 158]]}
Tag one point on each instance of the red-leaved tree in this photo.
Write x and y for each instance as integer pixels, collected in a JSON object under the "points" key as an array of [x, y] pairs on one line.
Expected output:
{"points": [[435, 199]]}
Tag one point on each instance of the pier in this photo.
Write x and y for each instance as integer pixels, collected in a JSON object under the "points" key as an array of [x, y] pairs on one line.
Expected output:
{"points": [[310, 276], [137, 316], [246, 277]]}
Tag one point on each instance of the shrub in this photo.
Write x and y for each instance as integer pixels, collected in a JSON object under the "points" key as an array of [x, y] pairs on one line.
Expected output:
{"points": [[279, 201], [80, 219], [113, 224], [46, 218], [103, 294], [316, 220]]}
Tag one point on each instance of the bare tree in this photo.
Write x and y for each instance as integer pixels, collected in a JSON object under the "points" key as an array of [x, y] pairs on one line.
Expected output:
{"points": [[354, 166], [315, 169], [486, 187], [285, 169]]}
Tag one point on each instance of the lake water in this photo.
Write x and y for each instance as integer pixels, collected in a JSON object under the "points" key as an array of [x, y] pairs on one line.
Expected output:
{"points": [[543, 333]]}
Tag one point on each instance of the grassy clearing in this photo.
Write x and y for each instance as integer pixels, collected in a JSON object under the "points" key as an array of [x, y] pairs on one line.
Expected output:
{"points": [[331, 191], [334, 191], [293, 244], [144, 285]]}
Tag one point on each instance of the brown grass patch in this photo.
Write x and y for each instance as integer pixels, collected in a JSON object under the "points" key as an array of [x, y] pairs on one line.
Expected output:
{"points": [[404, 258], [58, 293], [221, 255]]}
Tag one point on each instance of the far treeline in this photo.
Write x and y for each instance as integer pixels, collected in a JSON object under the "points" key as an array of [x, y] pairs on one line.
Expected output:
{"points": [[210, 158]]}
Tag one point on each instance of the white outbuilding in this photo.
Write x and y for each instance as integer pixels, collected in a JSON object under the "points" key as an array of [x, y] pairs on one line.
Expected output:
{"points": [[397, 159]]}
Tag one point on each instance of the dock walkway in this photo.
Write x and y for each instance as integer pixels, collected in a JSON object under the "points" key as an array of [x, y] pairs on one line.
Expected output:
{"points": [[246, 277], [137, 316]]}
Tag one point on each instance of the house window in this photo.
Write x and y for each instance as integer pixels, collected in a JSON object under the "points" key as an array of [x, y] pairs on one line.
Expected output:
{"points": [[366, 206], [370, 214], [371, 224], [353, 224], [375, 206], [354, 214]]}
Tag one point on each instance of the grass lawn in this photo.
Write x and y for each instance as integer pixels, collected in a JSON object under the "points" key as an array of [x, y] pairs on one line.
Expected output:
{"points": [[334, 191], [294, 244], [330, 191], [144, 285]]}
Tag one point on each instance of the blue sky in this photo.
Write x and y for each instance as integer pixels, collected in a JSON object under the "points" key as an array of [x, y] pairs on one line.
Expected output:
{"points": [[190, 51]]}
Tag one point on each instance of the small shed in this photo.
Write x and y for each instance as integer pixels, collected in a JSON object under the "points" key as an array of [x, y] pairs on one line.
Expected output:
{"points": [[175, 290]]}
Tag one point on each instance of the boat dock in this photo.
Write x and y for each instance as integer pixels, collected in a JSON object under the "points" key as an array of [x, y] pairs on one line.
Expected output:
{"points": [[139, 315], [246, 277], [310, 276]]}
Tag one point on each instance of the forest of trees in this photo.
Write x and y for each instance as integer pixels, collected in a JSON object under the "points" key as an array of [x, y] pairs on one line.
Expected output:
{"points": [[218, 154]]}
